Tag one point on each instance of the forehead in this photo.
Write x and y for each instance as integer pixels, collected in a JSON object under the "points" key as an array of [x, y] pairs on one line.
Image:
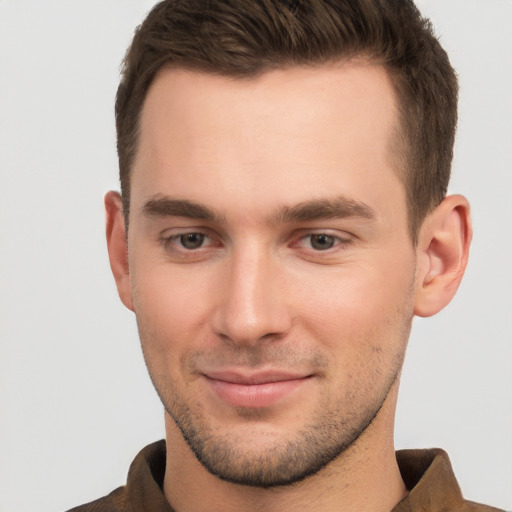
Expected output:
{"points": [[282, 137]]}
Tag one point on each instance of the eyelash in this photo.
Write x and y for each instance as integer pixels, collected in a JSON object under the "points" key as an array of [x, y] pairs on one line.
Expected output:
{"points": [[175, 239], [337, 241]]}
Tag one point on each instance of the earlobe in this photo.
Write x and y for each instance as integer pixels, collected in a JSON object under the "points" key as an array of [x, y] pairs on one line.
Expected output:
{"points": [[118, 246], [443, 251]]}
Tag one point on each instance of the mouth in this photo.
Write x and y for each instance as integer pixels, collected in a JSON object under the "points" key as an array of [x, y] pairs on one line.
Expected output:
{"points": [[256, 389]]}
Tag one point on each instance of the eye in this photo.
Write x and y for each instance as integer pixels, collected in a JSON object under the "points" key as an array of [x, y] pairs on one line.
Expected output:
{"points": [[322, 242], [192, 241], [182, 246], [187, 242]]}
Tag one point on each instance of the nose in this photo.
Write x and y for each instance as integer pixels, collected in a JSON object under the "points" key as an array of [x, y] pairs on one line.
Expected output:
{"points": [[252, 302]]}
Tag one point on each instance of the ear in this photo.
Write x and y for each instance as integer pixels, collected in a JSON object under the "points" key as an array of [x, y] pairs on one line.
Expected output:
{"points": [[442, 255], [118, 247]]}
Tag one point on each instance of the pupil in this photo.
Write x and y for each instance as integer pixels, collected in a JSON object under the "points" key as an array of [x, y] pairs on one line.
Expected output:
{"points": [[322, 242], [192, 240]]}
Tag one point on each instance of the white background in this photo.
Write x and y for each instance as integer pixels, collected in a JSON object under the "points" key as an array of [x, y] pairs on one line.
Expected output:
{"points": [[76, 403]]}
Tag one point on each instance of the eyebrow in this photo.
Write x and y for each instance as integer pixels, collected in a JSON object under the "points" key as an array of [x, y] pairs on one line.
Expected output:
{"points": [[163, 206], [336, 208], [315, 209]]}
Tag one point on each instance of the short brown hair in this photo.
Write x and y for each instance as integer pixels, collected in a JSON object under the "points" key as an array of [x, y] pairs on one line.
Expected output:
{"points": [[244, 38]]}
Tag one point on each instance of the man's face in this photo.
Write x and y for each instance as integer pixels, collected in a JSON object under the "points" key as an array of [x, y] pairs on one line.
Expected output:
{"points": [[271, 268]]}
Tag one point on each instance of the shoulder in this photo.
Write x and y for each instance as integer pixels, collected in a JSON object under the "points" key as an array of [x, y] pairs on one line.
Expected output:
{"points": [[429, 478], [113, 502], [143, 489], [471, 506]]}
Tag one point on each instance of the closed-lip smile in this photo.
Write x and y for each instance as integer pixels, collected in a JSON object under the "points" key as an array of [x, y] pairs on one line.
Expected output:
{"points": [[253, 389]]}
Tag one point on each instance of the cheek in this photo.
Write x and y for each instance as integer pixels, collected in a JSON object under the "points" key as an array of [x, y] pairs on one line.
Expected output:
{"points": [[360, 310], [171, 308]]}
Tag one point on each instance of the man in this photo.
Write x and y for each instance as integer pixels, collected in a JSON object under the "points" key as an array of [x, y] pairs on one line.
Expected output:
{"points": [[283, 217]]}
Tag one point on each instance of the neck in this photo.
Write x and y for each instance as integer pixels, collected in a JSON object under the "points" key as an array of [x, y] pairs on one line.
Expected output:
{"points": [[363, 478]]}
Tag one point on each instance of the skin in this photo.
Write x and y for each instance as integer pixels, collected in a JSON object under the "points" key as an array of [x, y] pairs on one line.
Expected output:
{"points": [[269, 241]]}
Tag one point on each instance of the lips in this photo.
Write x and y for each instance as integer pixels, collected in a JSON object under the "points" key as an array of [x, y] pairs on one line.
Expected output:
{"points": [[254, 390]]}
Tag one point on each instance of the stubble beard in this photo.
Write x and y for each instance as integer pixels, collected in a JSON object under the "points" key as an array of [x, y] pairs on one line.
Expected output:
{"points": [[284, 460]]}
